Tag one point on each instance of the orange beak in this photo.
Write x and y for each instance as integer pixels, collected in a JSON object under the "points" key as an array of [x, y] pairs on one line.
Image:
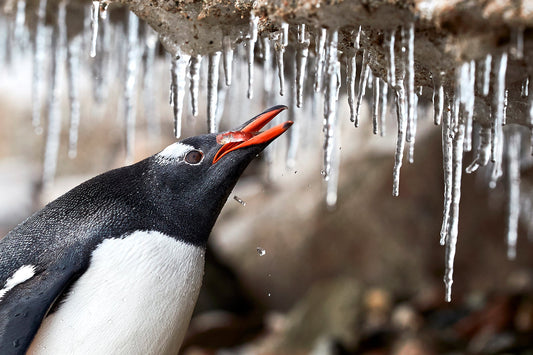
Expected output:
{"points": [[250, 134]]}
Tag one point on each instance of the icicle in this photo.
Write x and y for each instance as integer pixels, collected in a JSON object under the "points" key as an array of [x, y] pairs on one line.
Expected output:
{"points": [[194, 73], [411, 152], [73, 66], [227, 58], [281, 43], [505, 101], [498, 108], [38, 64], [524, 92], [518, 47], [363, 78], [302, 51], [438, 103], [212, 91], [20, 19], [392, 66], [400, 143], [150, 108], [447, 169], [131, 84], [251, 44], [375, 105], [267, 70], [383, 109], [409, 38], [331, 153], [483, 151], [95, 9], [351, 73], [53, 135], [486, 74], [469, 101], [451, 240], [178, 74], [320, 46], [513, 189], [294, 135], [103, 9]]}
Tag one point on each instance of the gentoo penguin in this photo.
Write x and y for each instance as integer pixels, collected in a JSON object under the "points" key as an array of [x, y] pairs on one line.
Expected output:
{"points": [[114, 266]]}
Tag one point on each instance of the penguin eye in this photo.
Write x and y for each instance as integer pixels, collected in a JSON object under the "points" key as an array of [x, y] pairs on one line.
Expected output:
{"points": [[194, 157]]}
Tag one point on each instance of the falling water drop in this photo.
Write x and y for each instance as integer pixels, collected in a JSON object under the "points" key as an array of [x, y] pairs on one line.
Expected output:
{"points": [[239, 200], [261, 252]]}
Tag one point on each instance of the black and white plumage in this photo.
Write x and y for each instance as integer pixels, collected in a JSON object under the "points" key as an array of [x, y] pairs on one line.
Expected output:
{"points": [[115, 265]]}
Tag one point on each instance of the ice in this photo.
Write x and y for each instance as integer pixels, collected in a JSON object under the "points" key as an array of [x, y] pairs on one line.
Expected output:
{"points": [[178, 73], [294, 134], [447, 151], [392, 66], [411, 152], [20, 19], [513, 189], [239, 200], [302, 51], [465, 85], [252, 38], [518, 47], [451, 240], [227, 58], [376, 104], [498, 108], [438, 102], [383, 110], [38, 64], [351, 73], [483, 151], [320, 48], [268, 76], [261, 252], [53, 133], [409, 38], [103, 9], [400, 143], [95, 10], [212, 91], [524, 92], [130, 87], [74, 73], [505, 101], [149, 61], [363, 78], [486, 74], [280, 45], [194, 73]]}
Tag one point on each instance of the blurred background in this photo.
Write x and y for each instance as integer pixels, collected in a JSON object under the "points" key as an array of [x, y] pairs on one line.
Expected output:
{"points": [[285, 272]]}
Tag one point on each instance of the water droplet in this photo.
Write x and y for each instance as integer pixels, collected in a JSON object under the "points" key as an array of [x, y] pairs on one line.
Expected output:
{"points": [[261, 251], [239, 200]]}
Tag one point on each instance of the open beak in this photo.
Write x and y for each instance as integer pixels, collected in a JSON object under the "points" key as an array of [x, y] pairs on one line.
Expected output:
{"points": [[250, 134]]}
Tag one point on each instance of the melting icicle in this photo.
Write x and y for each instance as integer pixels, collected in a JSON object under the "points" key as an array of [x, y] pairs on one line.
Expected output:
{"points": [[409, 39], [38, 64], [465, 82], [212, 91], [483, 151], [518, 47], [239, 200], [411, 152], [513, 189], [499, 109], [51, 149], [227, 58], [376, 105], [20, 18], [267, 70], [73, 66], [486, 74], [447, 166], [363, 78], [131, 84], [524, 92], [150, 107], [351, 73], [95, 9], [251, 44], [505, 101], [302, 51], [178, 74], [281, 44], [383, 109], [103, 9], [320, 45], [392, 66], [400, 143], [438, 103], [194, 73], [451, 240]]}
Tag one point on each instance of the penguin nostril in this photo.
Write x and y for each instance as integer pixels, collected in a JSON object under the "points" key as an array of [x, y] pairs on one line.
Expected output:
{"points": [[194, 157]]}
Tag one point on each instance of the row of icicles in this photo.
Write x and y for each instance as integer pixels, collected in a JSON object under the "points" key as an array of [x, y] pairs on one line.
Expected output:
{"points": [[453, 109]]}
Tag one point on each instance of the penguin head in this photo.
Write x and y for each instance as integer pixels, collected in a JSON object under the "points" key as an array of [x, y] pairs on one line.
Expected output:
{"points": [[195, 176]]}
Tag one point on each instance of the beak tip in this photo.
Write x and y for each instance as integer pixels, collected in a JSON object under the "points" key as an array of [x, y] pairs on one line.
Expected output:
{"points": [[287, 125]]}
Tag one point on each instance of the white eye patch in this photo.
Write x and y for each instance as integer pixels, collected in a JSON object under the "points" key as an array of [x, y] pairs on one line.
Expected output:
{"points": [[173, 152]]}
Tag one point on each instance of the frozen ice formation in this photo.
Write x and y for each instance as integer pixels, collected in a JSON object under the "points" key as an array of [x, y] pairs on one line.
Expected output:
{"points": [[395, 56]]}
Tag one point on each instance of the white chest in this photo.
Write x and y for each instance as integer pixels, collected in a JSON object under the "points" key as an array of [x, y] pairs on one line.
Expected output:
{"points": [[136, 297]]}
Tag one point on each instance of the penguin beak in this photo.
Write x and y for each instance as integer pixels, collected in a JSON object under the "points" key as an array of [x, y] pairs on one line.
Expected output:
{"points": [[250, 135]]}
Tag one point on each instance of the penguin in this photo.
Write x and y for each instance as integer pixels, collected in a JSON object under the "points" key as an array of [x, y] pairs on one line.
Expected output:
{"points": [[115, 265]]}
